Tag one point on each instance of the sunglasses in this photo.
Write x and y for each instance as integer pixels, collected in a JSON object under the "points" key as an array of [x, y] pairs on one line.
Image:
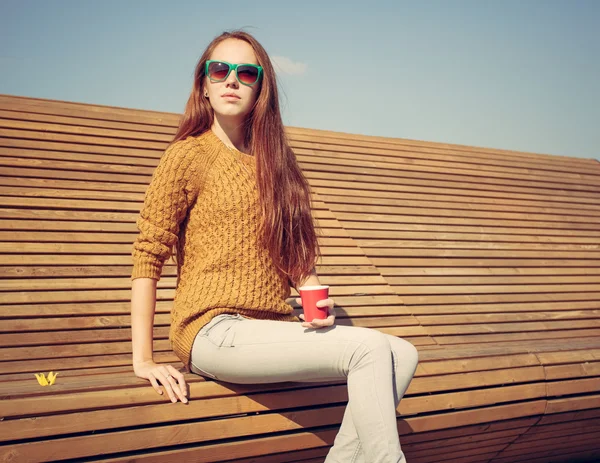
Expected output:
{"points": [[247, 74]]}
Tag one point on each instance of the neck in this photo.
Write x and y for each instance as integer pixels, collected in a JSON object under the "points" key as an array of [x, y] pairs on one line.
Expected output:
{"points": [[230, 132]]}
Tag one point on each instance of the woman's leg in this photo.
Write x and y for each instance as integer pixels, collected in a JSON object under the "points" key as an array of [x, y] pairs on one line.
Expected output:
{"points": [[240, 350], [404, 364]]}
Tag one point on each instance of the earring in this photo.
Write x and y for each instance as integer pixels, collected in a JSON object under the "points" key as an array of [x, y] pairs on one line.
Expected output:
{"points": [[205, 95]]}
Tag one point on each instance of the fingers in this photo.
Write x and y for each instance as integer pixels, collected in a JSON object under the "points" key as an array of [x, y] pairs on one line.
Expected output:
{"points": [[155, 384], [320, 322], [322, 303], [326, 303], [178, 376], [329, 303], [173, 382], [164, 379]]}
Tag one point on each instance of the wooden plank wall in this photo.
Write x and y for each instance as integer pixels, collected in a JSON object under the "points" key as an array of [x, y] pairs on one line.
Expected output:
{"points": [[487, 260], [481, 245]]}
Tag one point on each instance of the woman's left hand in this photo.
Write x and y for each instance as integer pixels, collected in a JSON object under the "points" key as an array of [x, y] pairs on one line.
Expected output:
{"points": [[320, 322]]}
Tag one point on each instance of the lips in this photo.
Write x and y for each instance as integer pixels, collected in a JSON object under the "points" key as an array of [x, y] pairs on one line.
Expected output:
{"points": [[230, 95]]}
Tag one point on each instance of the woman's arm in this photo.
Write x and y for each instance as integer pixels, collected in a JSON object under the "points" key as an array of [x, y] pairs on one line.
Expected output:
{"points": [[312, 280], [143, 306], [166, 204]]}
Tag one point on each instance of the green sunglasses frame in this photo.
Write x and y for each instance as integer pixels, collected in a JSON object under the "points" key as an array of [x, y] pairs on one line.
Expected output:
{"points": [[232, 67]]}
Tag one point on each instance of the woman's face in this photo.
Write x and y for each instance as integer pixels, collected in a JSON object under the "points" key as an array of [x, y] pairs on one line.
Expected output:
{"points": [[230, 98]]}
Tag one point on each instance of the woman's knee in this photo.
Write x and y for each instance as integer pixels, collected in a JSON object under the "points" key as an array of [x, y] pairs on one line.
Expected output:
{"points": [[371, 337], [369, 341], [405, 352]]}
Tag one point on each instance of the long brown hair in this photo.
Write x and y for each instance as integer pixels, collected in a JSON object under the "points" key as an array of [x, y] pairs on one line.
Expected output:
{"points": [[287, 229]]}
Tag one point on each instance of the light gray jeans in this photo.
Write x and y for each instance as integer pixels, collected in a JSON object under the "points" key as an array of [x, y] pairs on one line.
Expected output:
{"points": [[378, 368]]}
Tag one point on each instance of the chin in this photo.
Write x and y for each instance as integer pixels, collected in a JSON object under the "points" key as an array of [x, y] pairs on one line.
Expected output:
{"points": [[231, 112]]}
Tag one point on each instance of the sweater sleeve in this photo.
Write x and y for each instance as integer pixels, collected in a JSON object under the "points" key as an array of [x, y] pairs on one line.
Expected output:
{"points": [[168, 197]]}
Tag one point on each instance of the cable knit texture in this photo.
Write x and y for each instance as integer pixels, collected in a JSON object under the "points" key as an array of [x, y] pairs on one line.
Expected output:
{"points": [[203, 199]]}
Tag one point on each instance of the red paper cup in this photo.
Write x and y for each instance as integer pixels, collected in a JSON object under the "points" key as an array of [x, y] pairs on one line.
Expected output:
{"points": [[310, 295]]}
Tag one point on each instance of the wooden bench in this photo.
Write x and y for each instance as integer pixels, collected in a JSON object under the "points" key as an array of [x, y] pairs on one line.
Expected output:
{"points": [[486, 260]]}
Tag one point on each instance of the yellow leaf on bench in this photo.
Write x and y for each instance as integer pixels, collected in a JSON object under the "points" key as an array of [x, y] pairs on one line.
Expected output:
{"points": [[41, 379]]}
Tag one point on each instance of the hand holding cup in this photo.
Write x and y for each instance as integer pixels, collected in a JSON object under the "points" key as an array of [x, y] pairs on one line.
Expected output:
{"points": [[317, 306]]}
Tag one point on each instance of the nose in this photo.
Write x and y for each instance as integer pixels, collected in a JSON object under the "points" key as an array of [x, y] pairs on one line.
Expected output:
{"points": [[232, 79]]}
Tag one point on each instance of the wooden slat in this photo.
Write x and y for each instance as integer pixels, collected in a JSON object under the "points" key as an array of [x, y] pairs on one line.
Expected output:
{"points": [[20, 112], [128, 154], [480, 230], [150, 438], [87, 111], [387, 159], [412, 174], [389, 197], [60, 127], [76, 138], [434, 185], [335, 138]]}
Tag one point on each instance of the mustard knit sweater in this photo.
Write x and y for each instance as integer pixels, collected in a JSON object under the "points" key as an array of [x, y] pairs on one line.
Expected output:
{"points": [[203, 199]]}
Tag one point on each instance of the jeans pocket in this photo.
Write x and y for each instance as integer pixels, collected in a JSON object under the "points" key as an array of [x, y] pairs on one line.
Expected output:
{"points": [[216, 334], [218, 331]]}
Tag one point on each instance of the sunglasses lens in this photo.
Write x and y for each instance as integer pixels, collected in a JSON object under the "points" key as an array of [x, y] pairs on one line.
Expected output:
{"points": [[247, 74], [218, 71]]}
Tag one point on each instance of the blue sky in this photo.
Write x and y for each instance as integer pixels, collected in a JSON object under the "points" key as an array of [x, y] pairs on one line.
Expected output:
{"points": [[521, 75]]}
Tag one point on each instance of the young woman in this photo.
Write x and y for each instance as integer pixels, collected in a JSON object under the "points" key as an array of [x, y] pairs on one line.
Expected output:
{"points": [[229, 196]]}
